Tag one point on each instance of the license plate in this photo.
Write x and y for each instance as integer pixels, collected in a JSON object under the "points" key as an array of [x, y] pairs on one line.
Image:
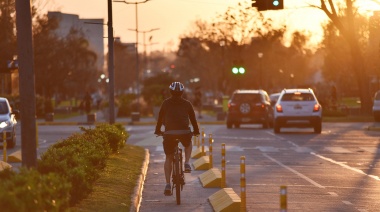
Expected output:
{"points": [[245, 119]]}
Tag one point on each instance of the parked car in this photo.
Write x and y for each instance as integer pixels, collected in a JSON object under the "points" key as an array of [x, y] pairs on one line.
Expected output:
{"points": [[8, 122], [297, 108], [376, 107], [249, 107]]}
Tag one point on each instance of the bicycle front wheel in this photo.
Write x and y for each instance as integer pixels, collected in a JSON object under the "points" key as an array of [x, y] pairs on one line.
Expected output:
{"points": [[177, 180]]}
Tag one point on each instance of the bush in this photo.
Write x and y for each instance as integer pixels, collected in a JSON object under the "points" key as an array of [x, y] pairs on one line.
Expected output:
{"points": [[81, 156], [66, 171], [28, 190]]}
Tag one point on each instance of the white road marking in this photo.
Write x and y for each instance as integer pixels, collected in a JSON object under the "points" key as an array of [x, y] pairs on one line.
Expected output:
{"points": [[267, 148], [302, 149], [345, 166], [347, 202], [294, 171], [333, 194], [363, 210], [338, 150]]}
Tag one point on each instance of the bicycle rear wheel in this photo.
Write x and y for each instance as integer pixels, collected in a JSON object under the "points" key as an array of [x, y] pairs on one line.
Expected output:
{"points": [[177, 174]]}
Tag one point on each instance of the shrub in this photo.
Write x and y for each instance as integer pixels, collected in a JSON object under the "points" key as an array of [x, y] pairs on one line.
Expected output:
{"points": [[28, 190], [66, 171]]}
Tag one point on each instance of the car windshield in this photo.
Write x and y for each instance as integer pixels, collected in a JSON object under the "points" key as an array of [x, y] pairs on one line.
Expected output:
{"points": [[297, 97], [246, 97], [3, 108]]}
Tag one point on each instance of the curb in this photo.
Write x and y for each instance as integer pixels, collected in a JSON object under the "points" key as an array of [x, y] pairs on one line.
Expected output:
{"points": [[123, 123], [137, 196]]}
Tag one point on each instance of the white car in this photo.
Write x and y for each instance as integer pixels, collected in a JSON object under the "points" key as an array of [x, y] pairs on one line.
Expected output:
{"points": [[376, 107], [7, 123], [297, 108]]}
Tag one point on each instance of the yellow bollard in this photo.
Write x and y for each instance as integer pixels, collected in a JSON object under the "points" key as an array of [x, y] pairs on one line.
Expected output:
{"points": [[283, 199], [4, 146], [243, 207], [210, 141], [203, 142], [198, 142], [223, 180]]}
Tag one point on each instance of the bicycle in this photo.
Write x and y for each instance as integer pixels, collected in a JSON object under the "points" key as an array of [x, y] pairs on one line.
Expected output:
{"points": [[178, 177]]}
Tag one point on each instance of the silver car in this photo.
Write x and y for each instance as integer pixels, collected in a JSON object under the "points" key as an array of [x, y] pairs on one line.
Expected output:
{"points": [[298, 108], [376, 107], [8, 123]]}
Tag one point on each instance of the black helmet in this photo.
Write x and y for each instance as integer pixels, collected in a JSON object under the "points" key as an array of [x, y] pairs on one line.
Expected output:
{"points": [[176, 89]]}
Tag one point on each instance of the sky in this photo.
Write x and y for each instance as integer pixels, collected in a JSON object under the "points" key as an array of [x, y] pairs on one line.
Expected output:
{"points": [[173, 18]]}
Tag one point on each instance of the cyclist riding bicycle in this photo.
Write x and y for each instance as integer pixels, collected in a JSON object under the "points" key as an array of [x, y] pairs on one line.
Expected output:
{"points": [[175, 113]]}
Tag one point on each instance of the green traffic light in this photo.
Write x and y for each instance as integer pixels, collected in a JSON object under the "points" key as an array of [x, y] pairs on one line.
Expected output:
{"points": [[235, 70], [276, 3], [241, 70]]}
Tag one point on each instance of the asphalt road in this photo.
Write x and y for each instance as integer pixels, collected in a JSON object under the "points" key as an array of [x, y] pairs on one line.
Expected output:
{"points": [[337, 170]]}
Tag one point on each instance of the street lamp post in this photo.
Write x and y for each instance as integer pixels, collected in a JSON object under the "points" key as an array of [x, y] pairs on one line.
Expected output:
{"points": [[260, 55], [137, 52]]}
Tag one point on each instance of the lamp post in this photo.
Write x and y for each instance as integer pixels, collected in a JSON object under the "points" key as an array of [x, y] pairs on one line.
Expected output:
{"points": [[260, 55], [137, 52], [222, 43]]}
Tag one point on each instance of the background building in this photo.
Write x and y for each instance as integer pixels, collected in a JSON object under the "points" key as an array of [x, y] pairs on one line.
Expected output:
{"points": [[93, 30]]}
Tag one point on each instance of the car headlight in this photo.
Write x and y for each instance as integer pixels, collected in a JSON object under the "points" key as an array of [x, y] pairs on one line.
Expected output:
{"points": [[4, 124]]}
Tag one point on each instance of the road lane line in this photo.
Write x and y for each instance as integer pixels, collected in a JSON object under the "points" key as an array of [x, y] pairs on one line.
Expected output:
{"points": [[333, 194], [347, 202], [345, 166], [294, 171]]}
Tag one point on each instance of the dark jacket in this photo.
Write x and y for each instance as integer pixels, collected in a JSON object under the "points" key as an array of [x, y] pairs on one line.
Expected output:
{"points": [[175, 113]]}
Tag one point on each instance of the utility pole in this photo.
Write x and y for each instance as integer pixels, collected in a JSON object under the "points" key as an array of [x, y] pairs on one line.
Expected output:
{"points": [[27, 84], [111, 87], [137, 52]]}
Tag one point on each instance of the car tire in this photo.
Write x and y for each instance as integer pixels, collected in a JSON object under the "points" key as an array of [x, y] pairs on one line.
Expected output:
{"points": [[318, 127], [276, 127]]}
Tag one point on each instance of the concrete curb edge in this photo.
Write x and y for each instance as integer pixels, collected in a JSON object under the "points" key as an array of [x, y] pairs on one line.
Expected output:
{"points": [[137, 195]]}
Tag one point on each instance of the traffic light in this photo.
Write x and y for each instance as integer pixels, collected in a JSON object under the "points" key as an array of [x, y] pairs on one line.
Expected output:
{"points": [[268, 4], [238, 67]]}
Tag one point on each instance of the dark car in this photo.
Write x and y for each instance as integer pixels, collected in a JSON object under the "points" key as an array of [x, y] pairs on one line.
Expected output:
{"points": [[249, 107]]}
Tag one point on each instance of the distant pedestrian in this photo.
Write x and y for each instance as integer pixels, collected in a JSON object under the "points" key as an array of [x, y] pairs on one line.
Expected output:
{"points": [[198, 101], [87, 102]]}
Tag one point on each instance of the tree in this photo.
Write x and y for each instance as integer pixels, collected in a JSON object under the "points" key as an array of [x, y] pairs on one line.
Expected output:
{"points": [[62, 65], [125, 67], [7, 35], [344, 20], [209, 50]]}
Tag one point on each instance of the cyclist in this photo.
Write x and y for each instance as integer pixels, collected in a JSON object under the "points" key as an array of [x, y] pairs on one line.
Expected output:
{"points": [[175, 113]]}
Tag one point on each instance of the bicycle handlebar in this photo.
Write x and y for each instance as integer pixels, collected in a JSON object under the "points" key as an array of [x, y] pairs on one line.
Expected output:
{"points": [[162, 134]]}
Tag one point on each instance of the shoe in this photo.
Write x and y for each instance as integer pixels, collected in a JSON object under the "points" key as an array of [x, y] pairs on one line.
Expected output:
{"points": [[187, 168], [168, 190]]}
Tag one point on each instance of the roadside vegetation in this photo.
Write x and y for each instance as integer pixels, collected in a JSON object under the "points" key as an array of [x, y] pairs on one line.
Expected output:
{"points": [[72, 169]]}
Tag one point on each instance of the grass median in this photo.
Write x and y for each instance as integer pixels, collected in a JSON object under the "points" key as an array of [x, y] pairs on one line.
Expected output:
{"points": [[115, 187]]}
